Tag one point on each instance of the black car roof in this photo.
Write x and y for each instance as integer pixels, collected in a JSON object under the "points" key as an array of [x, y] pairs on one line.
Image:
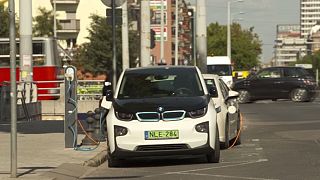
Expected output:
{"points": [[282, 67]]}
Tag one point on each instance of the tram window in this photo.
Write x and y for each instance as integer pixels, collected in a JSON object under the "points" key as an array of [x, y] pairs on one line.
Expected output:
{"points": [[38, 60], [4, 61], [38, 48], [4, 49]]}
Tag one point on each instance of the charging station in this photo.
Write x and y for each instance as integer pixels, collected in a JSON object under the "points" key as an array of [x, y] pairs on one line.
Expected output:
{"points": [[71, 112]]}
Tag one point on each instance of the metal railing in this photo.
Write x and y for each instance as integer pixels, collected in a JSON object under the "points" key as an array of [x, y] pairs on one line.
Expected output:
{"points": [[86, 89]]}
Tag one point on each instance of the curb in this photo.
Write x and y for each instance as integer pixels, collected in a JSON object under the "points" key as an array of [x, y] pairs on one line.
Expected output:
{"points": [[97, 160]]}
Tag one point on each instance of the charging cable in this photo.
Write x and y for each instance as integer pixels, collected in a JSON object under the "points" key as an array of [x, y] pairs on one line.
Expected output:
{"points": [[239, 132]]}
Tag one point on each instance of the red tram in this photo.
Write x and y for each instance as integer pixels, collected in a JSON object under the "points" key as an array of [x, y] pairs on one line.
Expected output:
{"points": [[46, 65]]}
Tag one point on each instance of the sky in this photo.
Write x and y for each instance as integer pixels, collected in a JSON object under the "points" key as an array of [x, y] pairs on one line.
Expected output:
{"points": [[263, 15]]}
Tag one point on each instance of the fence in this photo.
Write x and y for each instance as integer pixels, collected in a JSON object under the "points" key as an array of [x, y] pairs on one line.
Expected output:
{"points": [[89, 93]]}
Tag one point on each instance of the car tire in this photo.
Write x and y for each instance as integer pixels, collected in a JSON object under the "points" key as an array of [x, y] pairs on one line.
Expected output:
{"points": [[225, 144], [244, 96], [215, 157], [299, 95]]}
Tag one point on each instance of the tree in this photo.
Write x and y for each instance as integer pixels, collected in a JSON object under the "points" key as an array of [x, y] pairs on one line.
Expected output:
{"points": [[4, 22], [44, 23], [246, 46], [96, 55], [313, 59]]}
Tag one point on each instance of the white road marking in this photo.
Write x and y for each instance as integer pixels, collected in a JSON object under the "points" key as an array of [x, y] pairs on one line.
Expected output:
{"points": [[224, 176], [209, 168]]}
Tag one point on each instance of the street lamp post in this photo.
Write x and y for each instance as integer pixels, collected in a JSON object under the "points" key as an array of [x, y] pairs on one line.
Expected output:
{"points": [[229, 28], [176, 51], [54, 19]]}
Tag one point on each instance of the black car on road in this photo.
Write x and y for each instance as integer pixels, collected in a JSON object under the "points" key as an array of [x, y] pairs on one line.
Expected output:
{"points": [[274, 83]]}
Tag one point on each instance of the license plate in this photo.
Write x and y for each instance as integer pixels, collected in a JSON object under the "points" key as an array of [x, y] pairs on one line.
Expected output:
{"points": [[161, 134]]}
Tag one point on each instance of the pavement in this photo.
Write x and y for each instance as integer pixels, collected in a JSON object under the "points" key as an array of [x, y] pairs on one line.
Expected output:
{"points": [[41, 152]]}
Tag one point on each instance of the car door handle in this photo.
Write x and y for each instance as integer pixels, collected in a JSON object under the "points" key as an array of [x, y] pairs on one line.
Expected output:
{"points": [[278, 82]]}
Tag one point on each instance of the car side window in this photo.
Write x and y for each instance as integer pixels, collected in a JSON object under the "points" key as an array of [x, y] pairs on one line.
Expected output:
{"points": [[224, 91], [269, 73], [210, 84], [293, 72]]}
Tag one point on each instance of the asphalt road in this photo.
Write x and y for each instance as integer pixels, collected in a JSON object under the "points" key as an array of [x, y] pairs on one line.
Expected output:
{"points": [[280, 140]]}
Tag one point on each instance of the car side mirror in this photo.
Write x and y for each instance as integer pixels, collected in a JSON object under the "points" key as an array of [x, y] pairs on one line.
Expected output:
{"points": [[109, 95], [233, 94], [213, 92], [107, 91]]}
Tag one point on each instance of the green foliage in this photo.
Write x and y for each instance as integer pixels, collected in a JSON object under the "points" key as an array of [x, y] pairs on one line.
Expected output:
{"points": [[43, 23], [313, 59], [245, 45], [4, 22], [95, 56]]}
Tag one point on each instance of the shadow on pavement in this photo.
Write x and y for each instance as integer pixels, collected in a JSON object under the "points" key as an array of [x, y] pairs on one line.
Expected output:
{"points": [[34, 127], [30, 170]]}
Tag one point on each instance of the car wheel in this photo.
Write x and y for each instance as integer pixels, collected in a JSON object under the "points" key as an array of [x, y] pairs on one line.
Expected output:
{"points": [[299, 95], [215, 157], [225, 145], [244, 96]]}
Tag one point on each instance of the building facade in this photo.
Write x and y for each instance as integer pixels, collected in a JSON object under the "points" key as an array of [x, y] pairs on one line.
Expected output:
{"points": [[309, 15], [184, 32], [289, 46], [69, 26]]}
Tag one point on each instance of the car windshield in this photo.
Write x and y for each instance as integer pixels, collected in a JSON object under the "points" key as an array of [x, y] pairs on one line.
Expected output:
{"points": [[221, 70], [155, 83]]}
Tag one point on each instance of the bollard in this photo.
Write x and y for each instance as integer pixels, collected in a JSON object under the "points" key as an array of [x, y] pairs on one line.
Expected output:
{"points": [[90, 138]]}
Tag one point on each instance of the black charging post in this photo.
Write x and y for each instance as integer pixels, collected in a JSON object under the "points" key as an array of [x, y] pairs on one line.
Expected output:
{"points": [[71, 112]]}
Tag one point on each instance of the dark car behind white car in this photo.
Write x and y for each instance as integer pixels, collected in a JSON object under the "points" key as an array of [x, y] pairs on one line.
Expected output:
{"points": [[293, 83]]}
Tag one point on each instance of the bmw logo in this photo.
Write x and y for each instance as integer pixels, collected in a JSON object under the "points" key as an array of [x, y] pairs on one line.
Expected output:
{"points": [[160, 109]]}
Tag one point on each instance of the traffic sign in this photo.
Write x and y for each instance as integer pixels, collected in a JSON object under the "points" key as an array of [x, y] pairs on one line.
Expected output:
{"points": [[108, 2]]}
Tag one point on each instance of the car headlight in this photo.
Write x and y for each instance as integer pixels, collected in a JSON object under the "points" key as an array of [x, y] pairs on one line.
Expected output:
{"points": [[198, 113], [124, 116]]}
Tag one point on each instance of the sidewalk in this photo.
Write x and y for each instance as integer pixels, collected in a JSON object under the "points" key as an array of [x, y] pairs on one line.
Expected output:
{"points": [[41, 149]]}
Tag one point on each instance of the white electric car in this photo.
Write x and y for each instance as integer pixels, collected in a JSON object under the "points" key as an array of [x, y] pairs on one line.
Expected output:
{"points": [[229, 115], [161, 111]]}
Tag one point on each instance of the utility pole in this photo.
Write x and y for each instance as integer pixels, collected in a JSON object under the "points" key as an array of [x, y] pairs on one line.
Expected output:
{"points": [[229, 32], [145, 33], [176, 52], [125, 39], [13, 90], [201, 35], [162, 60], [26, 65], [54, 19], [114, 50]]}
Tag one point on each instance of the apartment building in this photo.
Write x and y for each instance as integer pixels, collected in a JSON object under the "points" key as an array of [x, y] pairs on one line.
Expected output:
{"points": [[289, 46], [185, 31], [309, 15]]}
